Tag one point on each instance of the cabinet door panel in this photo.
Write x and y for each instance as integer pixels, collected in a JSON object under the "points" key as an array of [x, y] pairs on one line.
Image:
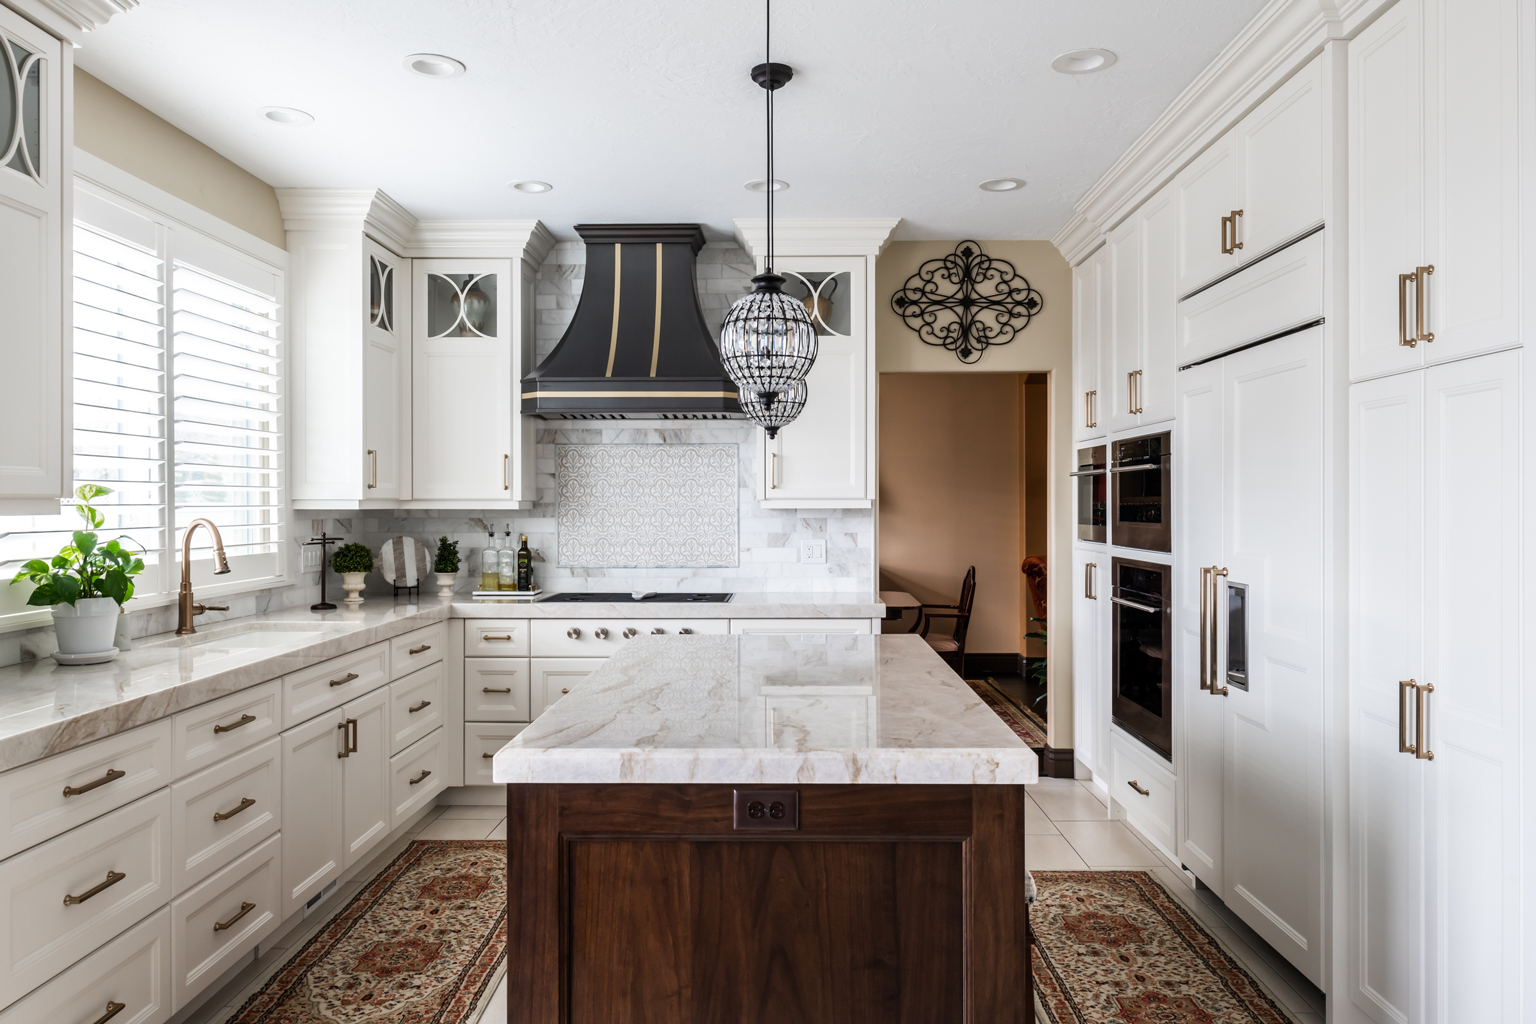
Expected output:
{"points": [[1280, 164], [386, 372], [1155, 388], [313, 850], [365, 775], [1472, 632], [553, 678], [1386, 538], [1472, 100], [1386, 188], [1122, 349], [1086, 347], [1088, 711], [1207, 192]]}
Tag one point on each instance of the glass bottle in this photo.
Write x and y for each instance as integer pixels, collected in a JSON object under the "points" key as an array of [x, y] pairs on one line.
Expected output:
{"points": [[524, 566], [490, 570], [506, 562]]}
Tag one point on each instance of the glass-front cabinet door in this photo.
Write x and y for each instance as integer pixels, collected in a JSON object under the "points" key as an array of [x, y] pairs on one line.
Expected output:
{"points": [[387, 387], [823, 456]]}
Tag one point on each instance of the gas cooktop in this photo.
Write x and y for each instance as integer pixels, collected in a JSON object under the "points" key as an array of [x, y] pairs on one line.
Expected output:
{"points": [[628, 598]]}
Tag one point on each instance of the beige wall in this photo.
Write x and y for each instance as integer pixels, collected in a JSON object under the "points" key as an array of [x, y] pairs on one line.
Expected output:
{"points": [[949, 496], [116, 129], [1044, 347]]}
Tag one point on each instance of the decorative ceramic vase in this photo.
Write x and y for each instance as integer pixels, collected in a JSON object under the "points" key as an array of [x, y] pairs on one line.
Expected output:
{"points": [[353, 583], [445, 581], [87, 627]]}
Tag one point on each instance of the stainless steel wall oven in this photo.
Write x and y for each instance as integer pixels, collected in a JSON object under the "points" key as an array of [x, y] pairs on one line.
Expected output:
{"points": [[1092, 478], [1142, 612], [1143, 488]]}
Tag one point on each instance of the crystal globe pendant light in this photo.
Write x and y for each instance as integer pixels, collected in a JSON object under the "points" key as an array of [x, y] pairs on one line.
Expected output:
{"points": [[768, 342]]}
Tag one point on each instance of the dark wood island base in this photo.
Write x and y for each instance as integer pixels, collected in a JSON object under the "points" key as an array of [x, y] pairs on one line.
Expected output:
{"points": [[647, 903]]}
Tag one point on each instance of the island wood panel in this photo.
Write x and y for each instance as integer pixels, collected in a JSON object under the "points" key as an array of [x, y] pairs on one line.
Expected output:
{"points": [[641, 903]]}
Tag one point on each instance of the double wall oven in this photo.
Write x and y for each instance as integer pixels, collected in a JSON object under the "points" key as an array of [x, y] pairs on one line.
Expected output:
{"points": [[1123, 493]]}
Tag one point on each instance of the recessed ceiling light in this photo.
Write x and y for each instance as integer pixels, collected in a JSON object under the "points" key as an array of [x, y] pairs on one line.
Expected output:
{"points": [[1082, 62], [433, 65], [1001, 184], [530, 186], [287, 115], [761, 185]]}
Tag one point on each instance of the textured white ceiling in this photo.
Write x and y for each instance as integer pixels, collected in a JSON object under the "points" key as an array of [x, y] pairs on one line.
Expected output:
{"points": [[641, 110]]}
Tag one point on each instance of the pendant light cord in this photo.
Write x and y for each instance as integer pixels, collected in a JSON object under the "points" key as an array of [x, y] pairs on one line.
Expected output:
{"points": [[768, 59]]}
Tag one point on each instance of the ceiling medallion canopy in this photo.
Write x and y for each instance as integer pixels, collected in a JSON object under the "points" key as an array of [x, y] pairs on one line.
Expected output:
{"points": [[768, 342], [967, 302]]}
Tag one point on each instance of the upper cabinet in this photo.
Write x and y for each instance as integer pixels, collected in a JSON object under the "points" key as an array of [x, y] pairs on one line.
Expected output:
{"points": [[1433, 184], [35, 255], [1090, 331], [1139, 350], [1257, 187], [826, 458]]}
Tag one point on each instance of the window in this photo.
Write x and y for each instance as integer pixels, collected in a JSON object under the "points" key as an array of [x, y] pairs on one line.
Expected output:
{"points": [[178, 396]]}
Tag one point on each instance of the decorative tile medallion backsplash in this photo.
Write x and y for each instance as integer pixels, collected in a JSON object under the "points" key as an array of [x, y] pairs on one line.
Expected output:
{"points": [[647, 506]]}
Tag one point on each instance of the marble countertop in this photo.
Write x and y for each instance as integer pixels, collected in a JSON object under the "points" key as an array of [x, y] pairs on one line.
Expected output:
{"points": [[742, 605], [770, 709]]}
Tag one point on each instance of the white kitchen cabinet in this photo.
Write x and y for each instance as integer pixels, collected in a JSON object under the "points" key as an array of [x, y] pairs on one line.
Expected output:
{"points": [[313, 802], [552, 678], [1435, 852], [1256, 187], [416, 776], [1090, 332], [783, 627], [1434, 163], [35, 268], [1090, 652], [822, 459], [472, 346], [481, 741], [133, 969], [496, 690], [416, 706], [218, 923], [365, 774], [1139, 347], [1249, 743]]}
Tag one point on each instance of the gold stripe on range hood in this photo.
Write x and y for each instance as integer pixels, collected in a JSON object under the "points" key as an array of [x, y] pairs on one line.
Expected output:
{"points": [[629, 394]]}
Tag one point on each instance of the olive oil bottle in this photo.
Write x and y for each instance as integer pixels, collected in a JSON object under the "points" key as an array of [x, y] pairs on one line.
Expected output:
{"points": [[506, 562], [524, 566], [490, 572]]}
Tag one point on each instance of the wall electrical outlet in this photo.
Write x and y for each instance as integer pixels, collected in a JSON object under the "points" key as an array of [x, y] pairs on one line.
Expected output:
{"points": [[813, 552], [311, 558]]}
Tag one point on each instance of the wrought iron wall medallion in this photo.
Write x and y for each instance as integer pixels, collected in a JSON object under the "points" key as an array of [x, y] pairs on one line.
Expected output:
{"points": [[967, 302]]}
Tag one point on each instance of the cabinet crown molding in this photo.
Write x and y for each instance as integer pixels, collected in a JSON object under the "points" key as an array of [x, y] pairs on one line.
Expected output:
{"points": [[368, 210], [1279, 40], [70, 20], [520, 239], [817, 236]]}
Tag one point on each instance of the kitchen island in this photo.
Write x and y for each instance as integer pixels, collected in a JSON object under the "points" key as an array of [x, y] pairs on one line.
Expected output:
{"points": [[767, 829]]}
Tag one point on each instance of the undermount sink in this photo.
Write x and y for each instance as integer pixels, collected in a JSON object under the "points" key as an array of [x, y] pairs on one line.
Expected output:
{"points": [[252, 635]]}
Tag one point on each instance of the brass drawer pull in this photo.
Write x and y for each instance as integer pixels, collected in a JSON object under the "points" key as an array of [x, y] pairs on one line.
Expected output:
{"points": [[419, 650], [244, 720], [113, 1009], [565, 689], [245, 908], [1421, 725], [374, 456], [112, 773], [1403, 746], [487, 689], [113, 877], [487, 755], [226, 815], [348, 737], [1143, 792], [423, 775], [344, 680], [419, 707], [506, 637]]}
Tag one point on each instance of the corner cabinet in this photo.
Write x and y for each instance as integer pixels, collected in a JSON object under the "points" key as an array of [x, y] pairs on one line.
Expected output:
{"points": [[35, 260]]}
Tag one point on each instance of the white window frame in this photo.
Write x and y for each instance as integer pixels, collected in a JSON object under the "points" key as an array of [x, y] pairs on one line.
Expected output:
{"points": [[179, 214]]}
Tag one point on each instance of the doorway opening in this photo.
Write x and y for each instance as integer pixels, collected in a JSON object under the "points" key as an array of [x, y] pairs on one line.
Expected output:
{"points": [[963, 483]]}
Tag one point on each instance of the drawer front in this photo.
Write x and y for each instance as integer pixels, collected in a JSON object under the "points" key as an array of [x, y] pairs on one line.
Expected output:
{"points": [[417, 649], [331, 684], [599, 638], [133, 969], [1152, 811], [33, 806], [552, 678], [1281, 291], [495, 638], [223, 919], [496, 690], [415, 706], [783, 626], [225, 727], [223, 812], [481, 741], [132, 841], [409, 789]]}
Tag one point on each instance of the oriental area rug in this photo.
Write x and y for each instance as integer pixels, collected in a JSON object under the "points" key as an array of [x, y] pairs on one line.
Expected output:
{"points": [[1023, 725], [1115, 947], [423, 943]]}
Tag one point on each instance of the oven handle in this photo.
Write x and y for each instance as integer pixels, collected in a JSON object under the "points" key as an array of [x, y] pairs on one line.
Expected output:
{"points": [[1087, 472], [1147, 467], [1134, 604]]}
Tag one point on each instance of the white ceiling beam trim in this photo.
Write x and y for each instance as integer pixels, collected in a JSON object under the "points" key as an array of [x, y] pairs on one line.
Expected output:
{"points": [[817, 236]]}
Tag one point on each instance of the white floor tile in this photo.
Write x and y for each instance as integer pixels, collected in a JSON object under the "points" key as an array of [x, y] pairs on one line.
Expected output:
{"points": [[1107, 844], [1068, 802], [491, 811], [1051, 853], [500, 831], [1036, 823], [1096, 793], [496, 1008], [456, 828]]}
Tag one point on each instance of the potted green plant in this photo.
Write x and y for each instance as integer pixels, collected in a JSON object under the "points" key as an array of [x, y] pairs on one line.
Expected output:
{"points": [[86, 584], [354, 561], [446, 566]]}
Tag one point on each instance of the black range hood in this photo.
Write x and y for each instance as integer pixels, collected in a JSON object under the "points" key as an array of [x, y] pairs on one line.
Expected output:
{"points": [[638, 346]]}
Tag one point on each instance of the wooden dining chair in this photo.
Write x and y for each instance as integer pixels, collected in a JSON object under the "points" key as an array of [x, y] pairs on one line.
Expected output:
{"points": [[952, 647]]}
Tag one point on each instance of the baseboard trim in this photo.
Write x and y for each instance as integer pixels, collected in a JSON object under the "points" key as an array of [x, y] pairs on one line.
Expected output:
{"points": [[996, 664], [1056, 763]]}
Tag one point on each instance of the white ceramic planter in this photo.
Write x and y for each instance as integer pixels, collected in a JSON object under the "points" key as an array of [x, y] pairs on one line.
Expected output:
{"points": [[352, 583], [86, 628], [445, 581]]}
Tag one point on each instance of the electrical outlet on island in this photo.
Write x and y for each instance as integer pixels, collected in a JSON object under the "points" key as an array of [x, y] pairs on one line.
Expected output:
{"points": [[813, 552]]}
